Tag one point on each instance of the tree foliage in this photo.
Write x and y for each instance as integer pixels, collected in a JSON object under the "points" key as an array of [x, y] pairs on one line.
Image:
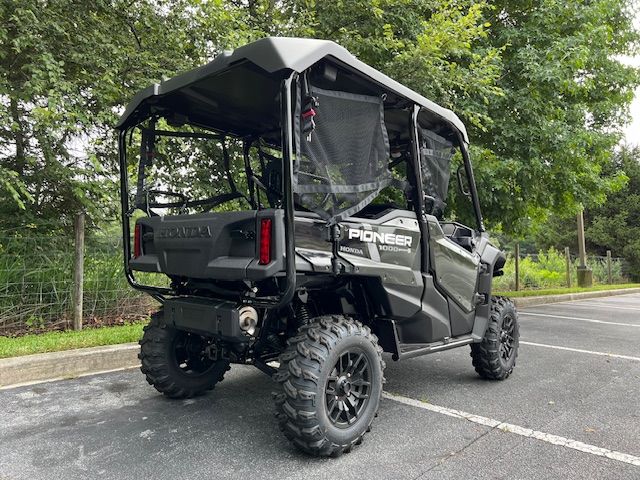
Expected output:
{"points": [[67, 68], [537, 82], [566, 95], [615, 225], [434, 47]]}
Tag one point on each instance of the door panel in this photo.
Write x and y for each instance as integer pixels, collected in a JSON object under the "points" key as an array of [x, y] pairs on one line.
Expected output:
{"points": [[456, 269]]}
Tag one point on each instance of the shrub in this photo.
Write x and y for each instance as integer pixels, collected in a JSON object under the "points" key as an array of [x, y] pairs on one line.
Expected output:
{"points": [[548, 270]]}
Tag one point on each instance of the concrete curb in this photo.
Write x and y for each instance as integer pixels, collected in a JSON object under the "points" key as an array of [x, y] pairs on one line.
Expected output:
{"points": [[567, 297], [67, 364]]}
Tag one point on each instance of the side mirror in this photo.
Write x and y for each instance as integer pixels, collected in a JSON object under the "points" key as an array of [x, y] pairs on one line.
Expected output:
{"points": [[464, 189]]}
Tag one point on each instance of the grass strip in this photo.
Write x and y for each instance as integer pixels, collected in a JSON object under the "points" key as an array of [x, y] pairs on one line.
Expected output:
{"points": [[94, 337], [560, 291], [58, 341]]}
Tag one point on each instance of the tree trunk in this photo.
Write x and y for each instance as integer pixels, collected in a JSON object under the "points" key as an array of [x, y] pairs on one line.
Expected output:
{"points": [[19, 137]]}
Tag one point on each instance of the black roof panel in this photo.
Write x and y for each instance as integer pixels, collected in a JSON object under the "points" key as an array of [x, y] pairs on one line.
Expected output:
{"points": [[277, 56]]}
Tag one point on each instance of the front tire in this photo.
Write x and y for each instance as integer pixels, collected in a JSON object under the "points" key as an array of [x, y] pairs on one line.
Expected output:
{"points": [[330, 380], [495, 357], [175, 363]]}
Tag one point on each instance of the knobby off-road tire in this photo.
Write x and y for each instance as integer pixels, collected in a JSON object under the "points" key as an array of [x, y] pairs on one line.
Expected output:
{"points": [[173, 363], [330, 379], [495, 357]]}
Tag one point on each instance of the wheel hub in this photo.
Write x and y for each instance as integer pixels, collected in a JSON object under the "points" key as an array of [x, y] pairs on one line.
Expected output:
{"points": [[507, 340], [343, 386], [348, 388], [189, 351]]}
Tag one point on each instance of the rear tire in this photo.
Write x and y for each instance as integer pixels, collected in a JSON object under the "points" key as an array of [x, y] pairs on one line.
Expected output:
{"points": [[174, 362], [495, 357], [330, 379]]}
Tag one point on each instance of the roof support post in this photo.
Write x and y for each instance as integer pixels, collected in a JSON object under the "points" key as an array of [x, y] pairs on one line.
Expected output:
{"points": [[472, 182], [286, 120], [417, 169]]}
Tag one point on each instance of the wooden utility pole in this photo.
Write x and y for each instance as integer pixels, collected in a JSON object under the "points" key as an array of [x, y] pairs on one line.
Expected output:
{"points": [[582, 249], [585, 275], [517, 259], [78, 272], [567, 256], [609, 275]]}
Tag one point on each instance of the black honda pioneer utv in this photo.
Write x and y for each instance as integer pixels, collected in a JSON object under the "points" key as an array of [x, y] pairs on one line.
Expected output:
{"points": [[289, 200]]}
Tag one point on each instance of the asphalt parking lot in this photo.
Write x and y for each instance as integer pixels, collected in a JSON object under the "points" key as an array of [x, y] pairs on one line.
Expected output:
{"points": [[570, 410]]}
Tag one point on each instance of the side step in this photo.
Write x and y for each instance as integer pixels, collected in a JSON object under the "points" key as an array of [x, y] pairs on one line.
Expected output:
{"points": [[410, 350]]}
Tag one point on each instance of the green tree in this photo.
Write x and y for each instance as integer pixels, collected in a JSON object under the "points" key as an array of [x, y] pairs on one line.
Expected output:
{"points": [[615, 225], [432, 46], [566, 97], [537, 82], [67, 67]]}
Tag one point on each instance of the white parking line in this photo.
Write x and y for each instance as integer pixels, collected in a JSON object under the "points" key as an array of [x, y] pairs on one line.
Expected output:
{"points": [[616, 299], [619, 301], [518, 430], [591, 320], [605, 305], [578, 350], [57, 379]]}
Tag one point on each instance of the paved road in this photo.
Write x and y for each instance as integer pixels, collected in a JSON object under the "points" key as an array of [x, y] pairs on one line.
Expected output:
{"points": [[570, 411]]}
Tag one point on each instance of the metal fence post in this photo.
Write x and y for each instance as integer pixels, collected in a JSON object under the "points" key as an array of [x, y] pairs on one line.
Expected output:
{"points": [[517, 259], [567, 256], [78, 272], [609, 276]]}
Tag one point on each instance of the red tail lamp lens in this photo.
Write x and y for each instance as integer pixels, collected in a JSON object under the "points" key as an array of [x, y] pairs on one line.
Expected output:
{"points": [[137, 241], [265, 241]]}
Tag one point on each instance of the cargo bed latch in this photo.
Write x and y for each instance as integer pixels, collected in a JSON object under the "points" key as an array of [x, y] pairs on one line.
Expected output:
{"points": [[480, 298]]}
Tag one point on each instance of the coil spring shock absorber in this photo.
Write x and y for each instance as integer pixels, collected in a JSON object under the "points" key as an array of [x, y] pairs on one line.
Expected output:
{"points": [[302, 314]]}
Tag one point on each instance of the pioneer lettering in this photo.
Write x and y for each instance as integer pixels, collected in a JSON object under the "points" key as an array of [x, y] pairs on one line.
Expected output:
{"points": [[370, 236]]}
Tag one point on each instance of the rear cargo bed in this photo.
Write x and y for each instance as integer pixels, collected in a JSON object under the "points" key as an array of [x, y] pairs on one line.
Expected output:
{"points": [[221, 246]]}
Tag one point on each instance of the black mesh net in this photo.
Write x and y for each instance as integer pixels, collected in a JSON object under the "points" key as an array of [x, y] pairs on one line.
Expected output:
{"points": [[343, 152], [435, 161]]}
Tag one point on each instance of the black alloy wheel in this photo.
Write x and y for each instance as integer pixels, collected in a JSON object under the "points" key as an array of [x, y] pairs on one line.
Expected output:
{"points": [[507, 340], [348, 388], [330, 384], [495, 356]]}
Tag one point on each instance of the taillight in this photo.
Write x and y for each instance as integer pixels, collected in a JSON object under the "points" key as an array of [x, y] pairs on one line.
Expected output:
{"points": [[265, 241], [137, 241]]}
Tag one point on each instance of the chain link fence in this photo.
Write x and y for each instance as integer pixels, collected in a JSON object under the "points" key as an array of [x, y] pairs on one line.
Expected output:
{"points": [[549, 270], [37, 282]]}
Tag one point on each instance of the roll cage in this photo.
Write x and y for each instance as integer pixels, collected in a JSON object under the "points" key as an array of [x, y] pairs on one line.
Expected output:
{"points": [[289, 85]]}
